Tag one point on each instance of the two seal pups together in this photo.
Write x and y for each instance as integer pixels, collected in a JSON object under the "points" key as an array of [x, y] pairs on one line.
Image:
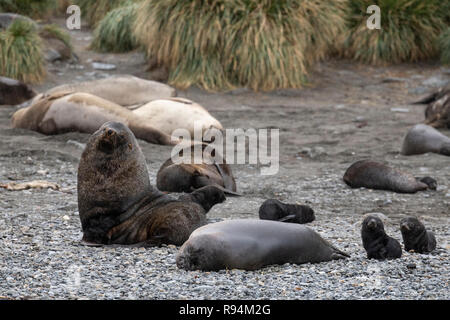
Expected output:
{"points": [[118, 206], [380, 246]]}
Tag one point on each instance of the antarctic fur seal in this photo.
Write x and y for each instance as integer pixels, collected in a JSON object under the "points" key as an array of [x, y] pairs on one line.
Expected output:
{"points": [[276, 210], [375, 175], [118, 205], [251, 244], [416, 237], [422, 139], [377, 243], [437, 113], [14, 92]]}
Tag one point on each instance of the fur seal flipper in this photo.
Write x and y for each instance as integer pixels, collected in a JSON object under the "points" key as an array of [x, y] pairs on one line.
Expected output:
{"points": [[374, 175], [377, 243], [117, 203], [416, 237], [276, 210], [251, 244]]}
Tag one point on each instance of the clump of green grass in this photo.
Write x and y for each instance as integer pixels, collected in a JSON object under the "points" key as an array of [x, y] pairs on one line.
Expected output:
{"points": [[95, 10], [409, 30], [114, 32], [21, 53], [31, 8], [53, 31], [444, 46], [219, 44]]}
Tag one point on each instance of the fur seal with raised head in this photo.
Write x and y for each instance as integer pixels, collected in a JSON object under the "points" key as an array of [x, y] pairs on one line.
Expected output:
{"points": [[422, 139], [14, 92], [374, 175], [416, 237], [276, 210], [251, 244], [377, 243], [437, 113], [83, 112], [118, 205], [124, 90]]}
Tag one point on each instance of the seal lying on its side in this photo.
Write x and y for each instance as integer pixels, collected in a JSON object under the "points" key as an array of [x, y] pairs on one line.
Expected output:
{"points": [[276, 210], [251, 244], [14, 92], [422, 139], [124, 90], [117, 203], [374, 175], [416, 237], [377, 243]]}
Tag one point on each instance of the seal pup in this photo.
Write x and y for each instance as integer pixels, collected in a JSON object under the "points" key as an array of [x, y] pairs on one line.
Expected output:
{"points": [[377, 243], [422, 139], [67, 112], [276, 210], [118, 205], [14, 92], [416, 237], [375, 175], [124, 90], [251, 244]]}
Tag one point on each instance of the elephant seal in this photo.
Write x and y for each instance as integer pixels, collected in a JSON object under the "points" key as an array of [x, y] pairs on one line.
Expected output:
{"points": [[251, 244], [437, 113], [422, 139], [186, 177], [374, 175], [118, 205], [66, 112], [14, 92], [416, 237], [276, 210], [124, 90], [377, 243]]}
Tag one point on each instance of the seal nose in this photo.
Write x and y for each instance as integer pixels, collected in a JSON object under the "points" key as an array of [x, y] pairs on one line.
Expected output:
{"points": [[372, 224], [405, 227], [110, 132]]}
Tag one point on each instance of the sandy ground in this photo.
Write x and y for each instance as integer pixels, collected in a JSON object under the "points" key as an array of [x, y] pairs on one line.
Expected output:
{"points": [[347, 113]]}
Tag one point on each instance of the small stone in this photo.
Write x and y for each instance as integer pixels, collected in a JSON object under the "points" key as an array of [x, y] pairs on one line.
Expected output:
{"points": [[411, 266]]}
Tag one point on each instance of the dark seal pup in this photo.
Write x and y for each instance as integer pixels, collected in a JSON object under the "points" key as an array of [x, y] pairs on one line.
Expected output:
{"points": [[416, 237], [14, 92], [422, 139], [374, 175], [276, 210], [251, 244], [377, 243], [116, 202]]}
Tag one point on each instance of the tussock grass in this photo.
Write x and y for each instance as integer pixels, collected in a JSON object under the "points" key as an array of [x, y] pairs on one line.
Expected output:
{"points": [[409, 30], [220, 44], [21, 53], [30, 8], [95, 10], [444, 46], [114, 32]]}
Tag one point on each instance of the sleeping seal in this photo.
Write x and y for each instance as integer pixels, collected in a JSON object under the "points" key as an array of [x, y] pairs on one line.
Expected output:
{"points": [[118, 205], [422, 139], [124, 90], [251, 244], [374, 175], [276, 210]]}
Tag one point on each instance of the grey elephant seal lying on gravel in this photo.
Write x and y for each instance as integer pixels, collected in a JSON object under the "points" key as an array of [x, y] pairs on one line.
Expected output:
{"points": [[276, 210], [374, 175], [416, 237], [251, 244], [422, 139], [377, 243], [118, 205]]}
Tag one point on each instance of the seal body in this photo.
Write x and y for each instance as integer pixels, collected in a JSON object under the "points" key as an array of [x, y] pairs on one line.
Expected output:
{"points": [[116, 202], [422, 139], [416, 237], [374, 175], [276, 210], [14, 92], [251, 244], [377, 243], [124, 90]]}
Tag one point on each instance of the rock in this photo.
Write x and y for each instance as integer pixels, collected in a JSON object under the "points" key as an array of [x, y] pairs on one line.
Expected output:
{"points": [[13, 92]]}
